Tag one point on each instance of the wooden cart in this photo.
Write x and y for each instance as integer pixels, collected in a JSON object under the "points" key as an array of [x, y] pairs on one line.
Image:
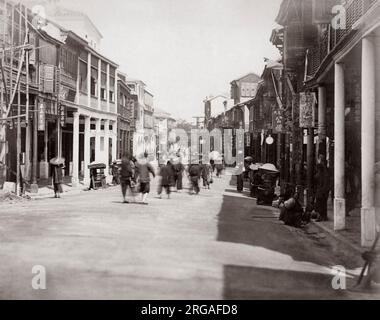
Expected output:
{"points": [[98, 178]]}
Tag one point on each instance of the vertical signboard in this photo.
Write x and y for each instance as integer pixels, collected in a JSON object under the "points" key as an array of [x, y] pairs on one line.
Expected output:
{"points": [[41, 116], [307, 105], [278, 121], [62, 114]]}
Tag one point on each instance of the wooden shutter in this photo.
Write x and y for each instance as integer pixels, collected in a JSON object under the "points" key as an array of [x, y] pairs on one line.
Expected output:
{"points": [[48, 85]]}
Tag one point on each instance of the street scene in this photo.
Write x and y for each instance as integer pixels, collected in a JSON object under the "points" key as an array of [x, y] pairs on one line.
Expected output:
{"points": [[188, 247], [168, 150]]}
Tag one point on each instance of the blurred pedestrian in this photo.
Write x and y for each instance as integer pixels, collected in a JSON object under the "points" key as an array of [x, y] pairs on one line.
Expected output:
{"points": [[167, 174], [178, 175], [256, 181], [240, 182], [219, 169], [127, 179], [206, 175], [194, 175], [143, 171], [57, 177], [115, 173], [212, 163], [321, 182], [172, 178]]}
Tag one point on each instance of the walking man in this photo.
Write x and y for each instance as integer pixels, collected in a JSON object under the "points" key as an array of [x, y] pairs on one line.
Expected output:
{"points": [[206, 175], [144, 169], [57, 176], [126, 176], [194, 174], [322, 188], [178, 175], [166, 174]]}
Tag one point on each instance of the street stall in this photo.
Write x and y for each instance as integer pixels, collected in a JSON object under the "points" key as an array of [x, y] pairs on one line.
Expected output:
{"points": [[97, 176], [266, 190]]}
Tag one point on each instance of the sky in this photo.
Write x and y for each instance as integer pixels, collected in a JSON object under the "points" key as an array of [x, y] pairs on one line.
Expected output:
{"points": [[184, 50]]}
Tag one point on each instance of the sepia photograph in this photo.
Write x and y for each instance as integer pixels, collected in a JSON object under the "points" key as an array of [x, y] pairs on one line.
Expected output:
{"points": [[187, 151]]}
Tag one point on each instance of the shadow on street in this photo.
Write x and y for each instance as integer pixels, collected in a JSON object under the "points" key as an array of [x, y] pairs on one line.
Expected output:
{"points": [[241, 221]]}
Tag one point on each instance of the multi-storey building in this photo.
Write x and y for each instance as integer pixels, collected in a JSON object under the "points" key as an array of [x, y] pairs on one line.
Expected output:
{"points": [[143, 117], [93, 114], [71, 101], [150, 141], [334, 57], [30, 96], [69, 19], [126, 118], [263, 142], [242, 90], [215, 106], [164, 123]]}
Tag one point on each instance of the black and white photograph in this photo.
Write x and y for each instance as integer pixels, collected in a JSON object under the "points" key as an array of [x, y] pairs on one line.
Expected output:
{"points": [[189, 150]]}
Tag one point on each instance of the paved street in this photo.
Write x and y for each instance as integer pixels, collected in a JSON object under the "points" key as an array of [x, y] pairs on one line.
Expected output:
{"points": [[220, 246]]}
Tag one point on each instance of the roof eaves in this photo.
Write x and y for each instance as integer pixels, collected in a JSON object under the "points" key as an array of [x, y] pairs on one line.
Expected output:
{"points": [[282, 14]]}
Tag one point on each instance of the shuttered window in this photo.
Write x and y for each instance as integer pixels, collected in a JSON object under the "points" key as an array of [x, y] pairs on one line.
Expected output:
{"points": [[103, 84], [94, 82], [69, 62], [83, 76]]}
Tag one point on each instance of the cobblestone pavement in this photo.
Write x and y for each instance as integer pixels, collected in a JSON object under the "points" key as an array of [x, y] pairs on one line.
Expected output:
{"points": [[217, 245]]}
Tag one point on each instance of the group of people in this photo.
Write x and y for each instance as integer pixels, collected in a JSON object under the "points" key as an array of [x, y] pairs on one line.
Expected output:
{"points": [[291, 210], [135, 175], [197, 172], [262, 183], [132, 170]]}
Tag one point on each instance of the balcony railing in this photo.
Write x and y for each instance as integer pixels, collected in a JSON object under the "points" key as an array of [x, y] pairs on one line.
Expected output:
{"points": [[330, 38]]}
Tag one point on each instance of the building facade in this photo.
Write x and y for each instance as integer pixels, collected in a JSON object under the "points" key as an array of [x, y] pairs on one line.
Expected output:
{"points": [[331, 96], [93, 115], [143, 140], [149, 136], [126, 117], [69, 97], [30, 97]]}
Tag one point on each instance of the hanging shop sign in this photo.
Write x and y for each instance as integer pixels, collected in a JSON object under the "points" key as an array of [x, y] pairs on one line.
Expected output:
{"points": [[63, 93], [62, 114], [41, 117], [278, 121], [307, 106]]}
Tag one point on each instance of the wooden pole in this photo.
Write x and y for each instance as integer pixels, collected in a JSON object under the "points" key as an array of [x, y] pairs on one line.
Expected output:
{"points": [[18, 147], [3, 124], [28, 128], [35, 144], [310, 163], [12, 37]]}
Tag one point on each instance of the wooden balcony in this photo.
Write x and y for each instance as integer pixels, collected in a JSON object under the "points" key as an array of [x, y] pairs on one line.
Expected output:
{"points": [[330, 38]]}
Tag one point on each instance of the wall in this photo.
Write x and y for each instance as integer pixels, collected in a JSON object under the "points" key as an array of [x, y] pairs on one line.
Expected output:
{"points": [[217, 106], [82, 27], [148, 99], [377, 40]]}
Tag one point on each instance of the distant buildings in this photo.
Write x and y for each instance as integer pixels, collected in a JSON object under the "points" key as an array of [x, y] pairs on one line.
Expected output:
{"points": [[331, 102], [232, 113], [321, 97], [73, 101], [126, 117]]}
